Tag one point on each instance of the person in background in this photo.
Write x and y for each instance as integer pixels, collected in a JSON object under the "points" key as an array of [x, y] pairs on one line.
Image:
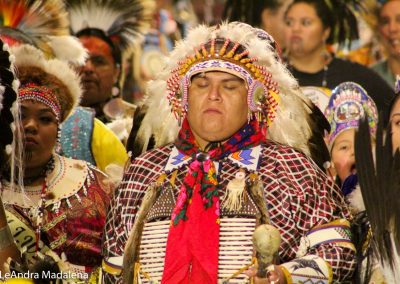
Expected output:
{"points": [[349, 104], [106, 42], [265, 14], [59, 203], [394, 120], [388, 29], [227, 89], [313, 24]]}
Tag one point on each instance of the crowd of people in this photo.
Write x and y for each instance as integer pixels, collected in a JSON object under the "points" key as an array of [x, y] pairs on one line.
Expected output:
{"points": [[139, 146]]}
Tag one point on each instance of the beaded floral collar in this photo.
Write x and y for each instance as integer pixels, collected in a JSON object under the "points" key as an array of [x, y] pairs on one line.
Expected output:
{"points": [[67, 179], [248, 159]]}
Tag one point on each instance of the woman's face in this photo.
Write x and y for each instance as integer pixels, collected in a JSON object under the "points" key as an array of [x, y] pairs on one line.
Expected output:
{"points": [[39, 125], [343, 154], [395, 124], [389, 27], [304, 32]]}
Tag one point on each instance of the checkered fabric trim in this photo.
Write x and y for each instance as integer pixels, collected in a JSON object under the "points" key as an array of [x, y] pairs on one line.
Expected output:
{"points": [[299, 197]]}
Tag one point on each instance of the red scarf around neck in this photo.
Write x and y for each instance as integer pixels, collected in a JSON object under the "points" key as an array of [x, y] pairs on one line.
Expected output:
{"points": [[193, 239]]}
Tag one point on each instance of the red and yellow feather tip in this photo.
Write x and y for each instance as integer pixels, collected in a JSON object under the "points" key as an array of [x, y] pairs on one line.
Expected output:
{"points": [[12, 12], [35, 18]]}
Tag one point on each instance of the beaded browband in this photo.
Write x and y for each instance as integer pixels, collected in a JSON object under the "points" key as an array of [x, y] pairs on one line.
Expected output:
{"points": [[263, 91], [32, 91]]}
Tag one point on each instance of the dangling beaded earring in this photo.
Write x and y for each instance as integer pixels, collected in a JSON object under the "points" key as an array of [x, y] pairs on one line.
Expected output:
{"points": [[57, 148], [255, 97]]}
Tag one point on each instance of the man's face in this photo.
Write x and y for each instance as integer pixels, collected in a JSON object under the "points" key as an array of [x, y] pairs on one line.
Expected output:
{"points": [[217, 106], [304, 32], [389, 27], [99, 73]]}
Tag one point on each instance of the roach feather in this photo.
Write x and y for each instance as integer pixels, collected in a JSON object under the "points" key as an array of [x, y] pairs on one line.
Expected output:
{"points": [[380, 185]]}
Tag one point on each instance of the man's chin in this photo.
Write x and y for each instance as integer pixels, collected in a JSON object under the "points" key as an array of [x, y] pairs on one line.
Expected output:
{"points": [[87, 100]]}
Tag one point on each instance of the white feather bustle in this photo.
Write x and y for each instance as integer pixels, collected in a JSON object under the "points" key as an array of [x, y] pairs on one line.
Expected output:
{"points": [[355, 200], [290, 126], [29, 56], [127, 19], [69, 49]]}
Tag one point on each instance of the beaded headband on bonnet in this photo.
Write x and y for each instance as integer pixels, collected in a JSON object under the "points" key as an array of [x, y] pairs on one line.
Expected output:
{"points": [[347, 105], [226, 49], [61, 102]]}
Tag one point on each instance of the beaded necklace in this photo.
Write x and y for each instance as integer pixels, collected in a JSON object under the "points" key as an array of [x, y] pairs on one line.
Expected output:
{"points": [[42, 202], [327, 60], [39, 220], [324, 82]]}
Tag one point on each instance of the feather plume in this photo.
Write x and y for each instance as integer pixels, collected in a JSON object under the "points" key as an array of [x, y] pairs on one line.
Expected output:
{"points": [[380, 185], [345, 27], [69, 49], [123, 21], [30, 21], [43, 24]]}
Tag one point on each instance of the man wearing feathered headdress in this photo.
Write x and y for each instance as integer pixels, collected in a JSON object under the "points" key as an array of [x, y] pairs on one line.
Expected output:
{"points": [[185, 212], [107, 29]]}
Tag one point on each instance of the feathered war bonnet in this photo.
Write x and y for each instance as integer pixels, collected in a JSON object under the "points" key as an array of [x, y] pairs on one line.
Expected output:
{"points": [[49, 81], [119, 23], [226, 48], [43, 24], [348, 104], [274, 97]]}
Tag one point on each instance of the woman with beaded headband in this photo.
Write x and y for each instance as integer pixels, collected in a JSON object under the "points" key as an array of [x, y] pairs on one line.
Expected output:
{"points": [[61, 203], [45, 25], [223, 175], [312, 25]]}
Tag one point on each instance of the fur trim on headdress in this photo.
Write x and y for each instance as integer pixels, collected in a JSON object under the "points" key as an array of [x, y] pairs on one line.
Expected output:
{"points": [[43, 24], [355, 200], [69, 49], [28, 56], [123, 21], [290, 124]]}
